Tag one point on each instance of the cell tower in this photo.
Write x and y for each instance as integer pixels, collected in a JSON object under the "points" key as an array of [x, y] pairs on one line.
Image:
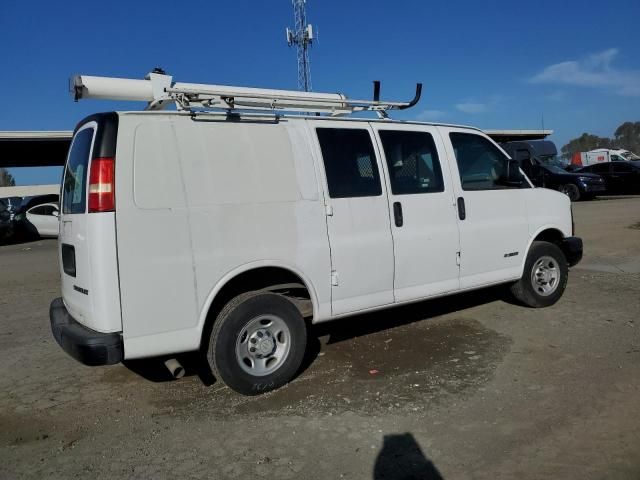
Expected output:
{"points": [[302, 38]]}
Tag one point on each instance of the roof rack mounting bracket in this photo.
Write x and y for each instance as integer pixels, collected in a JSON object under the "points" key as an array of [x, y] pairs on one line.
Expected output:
{"points": [[159, 84]]}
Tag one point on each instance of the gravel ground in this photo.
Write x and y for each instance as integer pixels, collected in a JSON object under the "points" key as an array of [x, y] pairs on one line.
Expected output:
{"points": [[466, 387]]}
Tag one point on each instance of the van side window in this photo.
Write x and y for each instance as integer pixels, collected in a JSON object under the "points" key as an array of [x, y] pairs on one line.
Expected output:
{"points": [[412, 161], [350, 162], [481, 164], [74, 187]]}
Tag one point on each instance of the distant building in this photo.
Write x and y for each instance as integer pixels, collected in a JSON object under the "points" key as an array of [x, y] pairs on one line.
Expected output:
{"points": [[29, 190]]}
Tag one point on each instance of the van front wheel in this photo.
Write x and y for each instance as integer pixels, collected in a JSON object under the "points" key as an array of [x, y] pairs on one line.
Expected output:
{"points": [[544, 278], [257, 343]]}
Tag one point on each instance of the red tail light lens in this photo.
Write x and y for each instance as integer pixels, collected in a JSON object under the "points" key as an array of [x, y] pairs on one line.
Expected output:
{"points": [[102, 185]]}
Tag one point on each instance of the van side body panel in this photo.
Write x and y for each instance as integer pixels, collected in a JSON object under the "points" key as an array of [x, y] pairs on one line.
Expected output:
{"points": [[494, 234], [154, 239], [240, 196], [547, 210]]}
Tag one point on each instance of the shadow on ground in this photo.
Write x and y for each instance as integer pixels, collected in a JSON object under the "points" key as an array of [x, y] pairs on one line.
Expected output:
{"points": [[401, 458], [344, 330]]}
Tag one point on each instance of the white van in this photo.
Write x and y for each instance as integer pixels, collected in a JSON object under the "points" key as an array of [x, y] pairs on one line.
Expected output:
{"points": [[229, 232]]}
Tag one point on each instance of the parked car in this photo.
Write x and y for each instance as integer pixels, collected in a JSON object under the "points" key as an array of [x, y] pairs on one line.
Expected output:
{"points": [[44, 219], [12, 205], [226, 232], [538, 159], [31, 201], [620, 177], [6, 225]]}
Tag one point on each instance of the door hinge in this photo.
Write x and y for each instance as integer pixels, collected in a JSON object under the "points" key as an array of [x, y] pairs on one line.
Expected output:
{"points": [[458, 258], [328, 210], [334, 278]]}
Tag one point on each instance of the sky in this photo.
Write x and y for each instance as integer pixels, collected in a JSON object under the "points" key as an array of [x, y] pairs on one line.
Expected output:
{"points": [[567, 65]]}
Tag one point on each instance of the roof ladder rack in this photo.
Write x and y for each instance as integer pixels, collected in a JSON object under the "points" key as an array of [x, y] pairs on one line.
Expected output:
{"points": [[159, 90]]}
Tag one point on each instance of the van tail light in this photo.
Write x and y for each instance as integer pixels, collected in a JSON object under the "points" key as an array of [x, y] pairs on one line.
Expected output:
{"points": [[102, 185]]}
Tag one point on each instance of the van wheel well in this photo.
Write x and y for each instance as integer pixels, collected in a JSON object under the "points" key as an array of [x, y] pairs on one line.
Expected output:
{"points": [[551, 235], [271, 279], [557, 238]]}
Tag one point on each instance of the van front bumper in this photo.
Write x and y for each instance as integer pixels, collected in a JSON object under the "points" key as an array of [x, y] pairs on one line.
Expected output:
{"points": [[85, 345], [572, 249]]}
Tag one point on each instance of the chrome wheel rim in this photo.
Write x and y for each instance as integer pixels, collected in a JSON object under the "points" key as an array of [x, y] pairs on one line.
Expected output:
{"points": [[263, 345], [545, 276]]}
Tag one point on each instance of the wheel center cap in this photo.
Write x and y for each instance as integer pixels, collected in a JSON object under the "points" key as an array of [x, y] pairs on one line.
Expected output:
{"points": [[265, 346]]}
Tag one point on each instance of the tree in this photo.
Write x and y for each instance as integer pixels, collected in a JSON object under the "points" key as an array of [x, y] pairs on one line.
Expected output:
{"points": [[584, 143], [6, 179], [627, 136]]}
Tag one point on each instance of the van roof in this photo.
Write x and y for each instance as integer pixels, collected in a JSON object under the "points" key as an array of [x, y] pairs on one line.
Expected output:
{"points": [[290, 117]]}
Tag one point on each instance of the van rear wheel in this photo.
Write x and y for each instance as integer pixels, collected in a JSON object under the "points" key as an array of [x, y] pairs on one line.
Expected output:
{"points": [[544, 277], [257, 343]]}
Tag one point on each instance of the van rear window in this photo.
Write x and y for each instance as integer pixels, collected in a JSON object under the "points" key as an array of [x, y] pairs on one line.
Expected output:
{"points": [[74, 187], [350, 162]]}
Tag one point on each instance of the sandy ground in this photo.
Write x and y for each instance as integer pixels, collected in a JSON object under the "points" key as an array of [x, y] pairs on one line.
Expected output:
{"points": [[467, 387]]}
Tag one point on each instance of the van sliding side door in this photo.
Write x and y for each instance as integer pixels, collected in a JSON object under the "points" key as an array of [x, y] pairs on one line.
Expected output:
{"points": [[424, 226], [357, 216]]}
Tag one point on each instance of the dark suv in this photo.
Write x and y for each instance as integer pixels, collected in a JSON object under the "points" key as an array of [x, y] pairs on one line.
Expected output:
{"points": [[9, 207], [538, 159], [622, 177]]}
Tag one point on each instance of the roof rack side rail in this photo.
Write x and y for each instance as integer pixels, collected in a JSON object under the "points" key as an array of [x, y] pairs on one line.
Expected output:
{"points": [[159, 89]]}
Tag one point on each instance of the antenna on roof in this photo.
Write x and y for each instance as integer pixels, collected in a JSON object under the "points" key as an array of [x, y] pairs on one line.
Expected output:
{"points": [[302, 37], [159, 90]]}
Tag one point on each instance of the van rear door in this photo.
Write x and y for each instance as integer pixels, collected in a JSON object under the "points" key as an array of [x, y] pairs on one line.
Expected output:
{"points": [[87, 240]]}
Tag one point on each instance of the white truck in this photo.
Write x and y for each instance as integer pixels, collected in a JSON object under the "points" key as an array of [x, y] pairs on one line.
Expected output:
{"points": [[600, 155], [226, 227]]}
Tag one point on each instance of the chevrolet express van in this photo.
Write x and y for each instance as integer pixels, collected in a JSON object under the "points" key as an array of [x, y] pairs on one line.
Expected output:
{"points": [[229, 232]]}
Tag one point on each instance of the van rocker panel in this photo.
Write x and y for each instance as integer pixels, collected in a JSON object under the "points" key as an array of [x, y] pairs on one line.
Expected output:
{"points": [[85, 345]]}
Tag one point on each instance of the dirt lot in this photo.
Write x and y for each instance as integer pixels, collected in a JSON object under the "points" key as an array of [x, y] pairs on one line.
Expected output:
{"points": [[467, 387]]}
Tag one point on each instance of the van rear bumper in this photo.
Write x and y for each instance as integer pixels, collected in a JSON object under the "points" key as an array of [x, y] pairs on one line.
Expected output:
{"points": [[83, 344]]}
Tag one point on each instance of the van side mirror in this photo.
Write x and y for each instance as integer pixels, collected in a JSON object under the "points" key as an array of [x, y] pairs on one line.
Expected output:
{"points": [[513, 176]]}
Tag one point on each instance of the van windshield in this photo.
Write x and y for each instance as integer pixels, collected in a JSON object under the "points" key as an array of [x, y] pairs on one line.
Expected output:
{"points": [[74, 190]]}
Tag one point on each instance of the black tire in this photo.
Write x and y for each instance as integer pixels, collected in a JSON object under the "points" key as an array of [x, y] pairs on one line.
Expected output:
{"points": [[571, 191], [532, 294], [231, 323]]}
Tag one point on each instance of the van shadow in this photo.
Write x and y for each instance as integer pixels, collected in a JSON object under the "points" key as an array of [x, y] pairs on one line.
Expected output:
{"points": [[194, 363], [401, 458], [334, 332], [369, 323], [154, 370]]}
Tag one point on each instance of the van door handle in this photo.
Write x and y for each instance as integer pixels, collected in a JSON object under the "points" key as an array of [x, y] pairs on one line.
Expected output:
{"points": [[397, 214], [462, 211]]}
